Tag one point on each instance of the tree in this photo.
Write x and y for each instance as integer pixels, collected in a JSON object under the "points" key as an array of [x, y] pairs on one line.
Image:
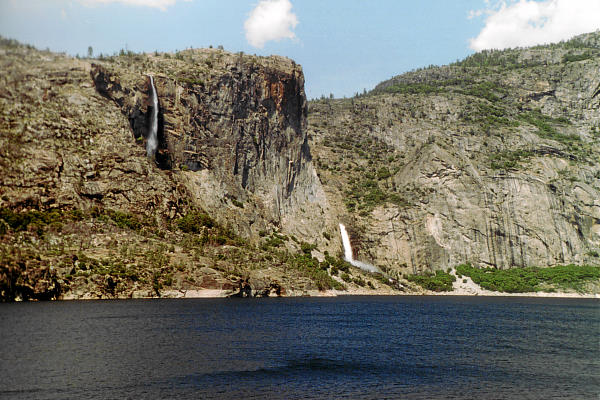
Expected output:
{"points": [[90, 51]]}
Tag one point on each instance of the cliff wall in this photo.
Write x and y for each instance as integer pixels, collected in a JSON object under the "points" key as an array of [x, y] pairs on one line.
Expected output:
{"points": [[233, 128], [84, 213], [493, 160]]}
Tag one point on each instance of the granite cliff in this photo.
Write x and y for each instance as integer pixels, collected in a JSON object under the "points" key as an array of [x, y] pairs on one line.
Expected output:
{"points": [[85, 212], [492, 160], [234, 129]]}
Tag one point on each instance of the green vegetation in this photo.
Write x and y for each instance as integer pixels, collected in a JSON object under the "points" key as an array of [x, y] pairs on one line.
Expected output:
{"points": [[237, 203], [486, 90], [545, 125], [195, 222], [578, 57], [121, 219], [530, 279], [366, 194], [505, 59], [336, 264], [507, 160], [37, 220], [440, 281], [491, 116], [370, 175], [413, 88], [274, 240], [155, 256], [191, 81], [311, 267]]}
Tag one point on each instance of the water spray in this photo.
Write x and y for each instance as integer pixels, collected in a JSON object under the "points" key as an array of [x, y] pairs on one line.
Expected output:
{"points": [[348, 256]]}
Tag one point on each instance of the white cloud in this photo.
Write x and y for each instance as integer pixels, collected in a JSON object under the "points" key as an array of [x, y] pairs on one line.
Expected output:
{"points": [[270, 20], [529, 22], [160, 4]]}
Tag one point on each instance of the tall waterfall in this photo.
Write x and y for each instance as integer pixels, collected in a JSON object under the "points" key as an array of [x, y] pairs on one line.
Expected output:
{"points": [[348, 253], [152, 140]]}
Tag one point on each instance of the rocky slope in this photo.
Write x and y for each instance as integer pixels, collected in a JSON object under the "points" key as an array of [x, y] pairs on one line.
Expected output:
{"points": [[493, 160], [237, 122], [229, 199]]}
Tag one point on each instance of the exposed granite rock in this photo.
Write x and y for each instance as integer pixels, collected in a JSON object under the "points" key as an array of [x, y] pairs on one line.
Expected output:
{"points": [[233, 142], [496, 165], [240, 125]]}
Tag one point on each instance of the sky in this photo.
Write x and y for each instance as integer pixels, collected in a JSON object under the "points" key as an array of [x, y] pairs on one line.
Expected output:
{"points": [[344, 46]]}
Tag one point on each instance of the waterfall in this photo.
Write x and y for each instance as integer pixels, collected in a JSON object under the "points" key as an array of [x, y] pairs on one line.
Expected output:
{"points": [[348, 253], [346, 242], [152, 140]]}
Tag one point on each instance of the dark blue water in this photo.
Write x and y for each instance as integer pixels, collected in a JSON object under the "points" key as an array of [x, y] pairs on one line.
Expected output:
{"points": [[349, 347]]}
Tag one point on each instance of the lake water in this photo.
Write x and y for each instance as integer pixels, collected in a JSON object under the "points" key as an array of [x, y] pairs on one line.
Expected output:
{"points": [[302, 348]]}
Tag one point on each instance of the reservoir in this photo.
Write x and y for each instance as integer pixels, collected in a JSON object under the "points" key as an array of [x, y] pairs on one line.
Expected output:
{"points": [[410, 347]]}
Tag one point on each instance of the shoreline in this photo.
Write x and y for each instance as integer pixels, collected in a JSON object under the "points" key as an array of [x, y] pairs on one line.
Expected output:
{"points": [[220, 294]]}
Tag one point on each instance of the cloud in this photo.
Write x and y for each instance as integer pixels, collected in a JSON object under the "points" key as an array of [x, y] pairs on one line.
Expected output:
{"points": [[528, 22], [160, 4], [270, 20]]}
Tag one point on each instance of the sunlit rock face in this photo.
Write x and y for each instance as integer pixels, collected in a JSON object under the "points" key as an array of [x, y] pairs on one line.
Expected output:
{"points": [[233, 127], [494, 160]]}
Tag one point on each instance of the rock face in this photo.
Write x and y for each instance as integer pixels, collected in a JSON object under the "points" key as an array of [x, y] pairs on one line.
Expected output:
{"points": [[65, 146], [493, 160], [75, 180], [238, 122]]}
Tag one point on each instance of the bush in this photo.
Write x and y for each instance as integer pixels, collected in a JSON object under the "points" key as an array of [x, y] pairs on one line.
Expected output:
{"points": [[20, 221], [307, 248], [439, 282], [124, 220], [195, 221], [359, 281], [312, 268], [521, 280]]}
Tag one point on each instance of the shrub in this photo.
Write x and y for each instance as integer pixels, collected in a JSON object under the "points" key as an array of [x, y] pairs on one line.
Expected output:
{"points": [[359, 281], [194, 222], [124, 220], [311, 267], [441, 281], [237, 203], [520, 280], [307, 248]]}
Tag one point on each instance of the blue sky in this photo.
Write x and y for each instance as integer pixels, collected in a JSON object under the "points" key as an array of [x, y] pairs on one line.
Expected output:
{"points": [[344, 46]]}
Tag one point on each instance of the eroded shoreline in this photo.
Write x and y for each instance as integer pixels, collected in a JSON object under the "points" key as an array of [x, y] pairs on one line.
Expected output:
{"points": [[216, 294]]}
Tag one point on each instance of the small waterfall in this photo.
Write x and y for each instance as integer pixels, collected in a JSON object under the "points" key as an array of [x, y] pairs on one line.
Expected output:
{"points": [[348, 253], [152, 140]]}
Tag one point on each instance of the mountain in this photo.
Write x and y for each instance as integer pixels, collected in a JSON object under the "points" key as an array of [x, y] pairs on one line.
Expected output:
{"points": [[86, 213], [492, 161]]}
